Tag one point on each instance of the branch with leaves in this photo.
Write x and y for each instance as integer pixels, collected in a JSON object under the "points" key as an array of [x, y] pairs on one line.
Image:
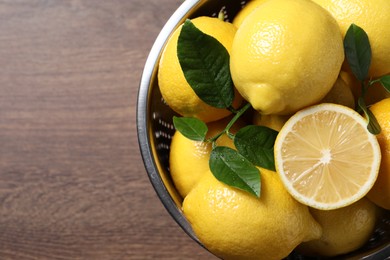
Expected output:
{"points": [[358, 53], [205, 64]]}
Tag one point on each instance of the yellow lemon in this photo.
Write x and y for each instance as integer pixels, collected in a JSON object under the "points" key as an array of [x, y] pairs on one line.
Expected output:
{"points": [[352, 82], [373, 16], [274, 122], [380, 193], [343, 230], [247, 9], [174, 88], [340, 94], [189, 159], [286, 56], [236, 225], [326, 157]]}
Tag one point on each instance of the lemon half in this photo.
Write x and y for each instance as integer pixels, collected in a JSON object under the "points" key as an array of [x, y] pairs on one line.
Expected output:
{"points": [[326, 157]]}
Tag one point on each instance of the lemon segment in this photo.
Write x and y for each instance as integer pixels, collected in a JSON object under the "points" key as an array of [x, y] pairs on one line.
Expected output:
{"points": [[326, 157]]}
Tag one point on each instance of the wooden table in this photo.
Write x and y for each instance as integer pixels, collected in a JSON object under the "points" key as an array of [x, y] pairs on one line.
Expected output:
{"points": [[72, 182]]}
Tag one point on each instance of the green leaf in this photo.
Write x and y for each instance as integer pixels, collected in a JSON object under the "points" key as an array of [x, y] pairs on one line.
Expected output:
{"points": [[358, 51], [231, 168], [385, 82], [373, 126], [205, 64], [192, 128], [256, 143]]}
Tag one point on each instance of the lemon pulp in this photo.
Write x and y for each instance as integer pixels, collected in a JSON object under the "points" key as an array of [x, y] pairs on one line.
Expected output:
{"points": [[326, 157]]}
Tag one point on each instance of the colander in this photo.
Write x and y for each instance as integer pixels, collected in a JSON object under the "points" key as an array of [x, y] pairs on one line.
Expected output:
{"points": [[155, 129]]}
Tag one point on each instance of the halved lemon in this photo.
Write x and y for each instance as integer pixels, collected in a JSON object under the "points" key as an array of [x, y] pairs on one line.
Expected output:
{"points": [[326, 157]]}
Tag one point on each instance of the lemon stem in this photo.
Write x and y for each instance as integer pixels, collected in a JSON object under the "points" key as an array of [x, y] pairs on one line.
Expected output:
{"points": [[238, 114], [372, 82], [372, 126], [364, 88]]}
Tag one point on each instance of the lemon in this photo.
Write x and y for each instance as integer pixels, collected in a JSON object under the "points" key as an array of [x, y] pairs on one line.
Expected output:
{"points": [[286, 56], [343, 230], [189, 159], [326, 157], [245, 11], [174, 88], [380, 193], [373, 17], [234, 224], [274, 122], [352, 82], [340, 94]]}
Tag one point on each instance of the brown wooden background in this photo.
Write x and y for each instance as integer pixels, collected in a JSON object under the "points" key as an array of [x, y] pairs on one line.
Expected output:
{"points": [[72, 182]]}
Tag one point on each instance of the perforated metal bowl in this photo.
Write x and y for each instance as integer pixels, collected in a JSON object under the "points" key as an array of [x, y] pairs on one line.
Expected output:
{"points": [[155, 129]]}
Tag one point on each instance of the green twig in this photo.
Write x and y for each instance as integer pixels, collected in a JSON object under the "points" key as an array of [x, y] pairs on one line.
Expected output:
{"points": [[237, 116], [226, 131]]}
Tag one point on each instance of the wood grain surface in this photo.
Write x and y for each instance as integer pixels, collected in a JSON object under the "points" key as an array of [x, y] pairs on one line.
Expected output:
{"points": [[72, 182]]}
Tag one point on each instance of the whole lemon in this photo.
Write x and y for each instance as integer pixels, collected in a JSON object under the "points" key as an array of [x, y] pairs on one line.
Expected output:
{"points": [[247, 9], [380, 193], [274, 122], [352, 82], [189, 159], [233, 224], [343, 230], [371, 15], [340, 94], [286, 55], [175, 89]]}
